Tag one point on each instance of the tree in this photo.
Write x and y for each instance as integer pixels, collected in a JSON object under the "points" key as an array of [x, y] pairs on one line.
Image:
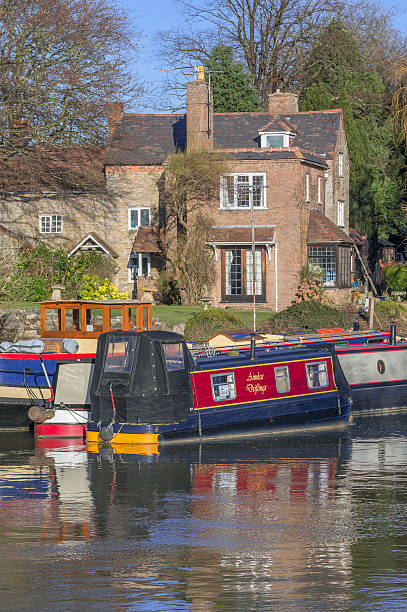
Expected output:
{"points": [[232, 86], [191, 185], [60, 62], [336, 75], [271, 37]]}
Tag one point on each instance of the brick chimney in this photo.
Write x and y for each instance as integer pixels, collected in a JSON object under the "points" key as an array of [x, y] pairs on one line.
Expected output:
{"points": [[199, 114], [114, 115], [282, 103]]}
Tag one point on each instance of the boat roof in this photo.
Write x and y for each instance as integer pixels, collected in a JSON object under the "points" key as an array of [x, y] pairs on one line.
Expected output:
{"points": [[263, 355]]}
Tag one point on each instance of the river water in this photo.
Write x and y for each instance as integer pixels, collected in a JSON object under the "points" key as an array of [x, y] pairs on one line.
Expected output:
{"points": [[312, 523]]}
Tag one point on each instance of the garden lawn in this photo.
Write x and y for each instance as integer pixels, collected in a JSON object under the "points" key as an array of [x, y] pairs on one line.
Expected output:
{"points": [[180, 314]]}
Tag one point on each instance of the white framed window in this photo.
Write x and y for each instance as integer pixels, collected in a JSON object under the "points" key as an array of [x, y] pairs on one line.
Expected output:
{"points": [[307, 191], [282, 379], [319, 190], [139, 216], [317, 375], [139, 265], [243, 190], [341, 214], [223, 386], [274, 139], [50, 224], [340, 164]]}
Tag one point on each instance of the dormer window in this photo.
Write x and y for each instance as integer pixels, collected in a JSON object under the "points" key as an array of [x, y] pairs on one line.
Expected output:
{"points": [[274, 139]]}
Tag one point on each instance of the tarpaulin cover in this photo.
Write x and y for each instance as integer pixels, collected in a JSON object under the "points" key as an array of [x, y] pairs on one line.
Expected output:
{"points": [[148, 374]]}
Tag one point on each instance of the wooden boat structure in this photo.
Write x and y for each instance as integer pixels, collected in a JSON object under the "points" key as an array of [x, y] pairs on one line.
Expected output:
{"points": [[47, 380]]}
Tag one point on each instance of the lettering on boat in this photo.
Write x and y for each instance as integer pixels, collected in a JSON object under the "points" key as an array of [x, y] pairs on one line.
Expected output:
{"points": [[255, 376]]}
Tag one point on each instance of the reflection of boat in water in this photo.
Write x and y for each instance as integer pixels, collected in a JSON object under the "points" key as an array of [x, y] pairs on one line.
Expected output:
{"points": [[146, 388], [52, 374]]}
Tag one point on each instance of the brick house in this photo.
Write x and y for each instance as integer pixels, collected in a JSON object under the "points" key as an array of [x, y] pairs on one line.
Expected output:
{"points": [[290, 168]]}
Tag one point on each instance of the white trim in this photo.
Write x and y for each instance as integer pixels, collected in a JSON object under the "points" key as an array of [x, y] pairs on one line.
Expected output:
{"points": [[139, 209], [319, 190], [307, 195], [49, 216], [82, 242], [250, 175], [285, 135]]}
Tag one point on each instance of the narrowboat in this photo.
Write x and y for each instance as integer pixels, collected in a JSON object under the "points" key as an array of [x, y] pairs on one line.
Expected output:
{"points": [[146, 388], [47, 380], [377, 375]]}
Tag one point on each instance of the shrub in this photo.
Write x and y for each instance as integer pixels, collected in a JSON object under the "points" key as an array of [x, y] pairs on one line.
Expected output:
{"points": [[302, 316], [390, 309], [396, 277], [310, 287], [93, 288], [205, 324]]}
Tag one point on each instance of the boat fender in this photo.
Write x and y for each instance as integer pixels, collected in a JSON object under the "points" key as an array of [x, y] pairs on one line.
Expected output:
{"points": [[69, 345], [106, 433], [40, 414]]}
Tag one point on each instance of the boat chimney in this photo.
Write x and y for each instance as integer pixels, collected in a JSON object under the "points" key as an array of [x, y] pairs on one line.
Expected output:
{"points": [[393, 339], [253, 347], [356, 324]]}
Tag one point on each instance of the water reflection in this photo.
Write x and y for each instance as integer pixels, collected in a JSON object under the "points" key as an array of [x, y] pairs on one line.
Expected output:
{"points": [[303, 523]]}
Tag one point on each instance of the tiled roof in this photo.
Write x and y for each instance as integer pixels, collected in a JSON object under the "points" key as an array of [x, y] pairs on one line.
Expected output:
{"points": [[66, 168], [276, 125], [322, 229], [240, 234], [149, 139], [146, 241], [146, 139]]}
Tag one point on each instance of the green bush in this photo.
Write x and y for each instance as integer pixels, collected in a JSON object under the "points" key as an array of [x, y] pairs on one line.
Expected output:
{"points": [[38, 268], [302, 316], [390, 309], [205, 324], [396, 277]]}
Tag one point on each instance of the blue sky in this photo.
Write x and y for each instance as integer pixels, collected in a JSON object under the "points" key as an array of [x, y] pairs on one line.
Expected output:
{"points": [[153, 15]]}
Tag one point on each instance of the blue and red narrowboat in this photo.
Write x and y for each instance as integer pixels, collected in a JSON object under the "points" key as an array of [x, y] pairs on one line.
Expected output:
{"points": [[146, 388]]}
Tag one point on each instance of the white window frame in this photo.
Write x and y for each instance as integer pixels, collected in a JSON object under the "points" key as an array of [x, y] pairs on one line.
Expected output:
{"points": [[341, 213], [307, 190], [58, 224], [138, 257], [319, 190], [340, 164], [322, 371], [263, 139], [138, 209], [229, 387], [236, 175]]}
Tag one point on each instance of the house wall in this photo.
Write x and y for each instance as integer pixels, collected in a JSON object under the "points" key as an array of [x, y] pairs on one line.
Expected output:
{"points": [[338, 187], [288, 211], [133, 187]]}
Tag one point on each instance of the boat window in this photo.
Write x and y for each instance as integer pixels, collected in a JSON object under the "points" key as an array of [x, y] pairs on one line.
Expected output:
{"points": [[52, 319], [376, 340], [174, 356], [223, 386], [145, 318], [282, 379], [120, 354], [94, 319], [73, 320], [133, 319], [115, 321], [317, 374]]}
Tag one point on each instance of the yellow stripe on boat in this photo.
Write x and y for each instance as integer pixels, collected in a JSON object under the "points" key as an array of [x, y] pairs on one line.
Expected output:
{"points": [[124, 438], [126, 449]]}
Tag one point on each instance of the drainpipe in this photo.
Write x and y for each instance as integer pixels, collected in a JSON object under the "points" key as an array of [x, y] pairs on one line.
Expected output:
{"points": [[275, 276]]}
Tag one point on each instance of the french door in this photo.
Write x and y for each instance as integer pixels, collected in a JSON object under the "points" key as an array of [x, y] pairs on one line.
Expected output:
{"points": [[237, 275]]}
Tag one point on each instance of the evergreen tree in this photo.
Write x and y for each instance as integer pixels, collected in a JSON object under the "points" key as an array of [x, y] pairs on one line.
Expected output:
{"points": [[337, 76], [232, 86]]}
